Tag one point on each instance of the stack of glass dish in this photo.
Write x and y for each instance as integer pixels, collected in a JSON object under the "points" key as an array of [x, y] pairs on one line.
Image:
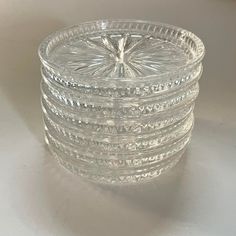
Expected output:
{"points": [[118, 97]]}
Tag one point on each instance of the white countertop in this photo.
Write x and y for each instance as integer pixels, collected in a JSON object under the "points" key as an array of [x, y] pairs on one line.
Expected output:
{"points": [[37, 197]]}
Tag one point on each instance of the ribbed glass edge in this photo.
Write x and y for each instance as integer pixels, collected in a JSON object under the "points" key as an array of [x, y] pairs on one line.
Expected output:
{"points": [[68, 32]]}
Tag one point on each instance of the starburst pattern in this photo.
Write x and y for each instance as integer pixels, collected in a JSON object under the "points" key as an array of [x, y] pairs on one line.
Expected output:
{"points": [[118, 55]]}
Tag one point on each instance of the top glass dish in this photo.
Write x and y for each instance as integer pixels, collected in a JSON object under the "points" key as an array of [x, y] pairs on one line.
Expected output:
{"points": [[123, 53]]}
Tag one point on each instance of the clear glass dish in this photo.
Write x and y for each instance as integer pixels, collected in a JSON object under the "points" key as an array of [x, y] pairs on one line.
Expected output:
{"points": [[118, 97]]}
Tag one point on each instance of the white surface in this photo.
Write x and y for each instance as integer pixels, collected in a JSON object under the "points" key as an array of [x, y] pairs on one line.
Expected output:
{"points": [[39, 198]]}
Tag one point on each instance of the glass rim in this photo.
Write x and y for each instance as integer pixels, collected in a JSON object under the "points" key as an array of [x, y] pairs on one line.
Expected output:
{"points": [[54, 68]]}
